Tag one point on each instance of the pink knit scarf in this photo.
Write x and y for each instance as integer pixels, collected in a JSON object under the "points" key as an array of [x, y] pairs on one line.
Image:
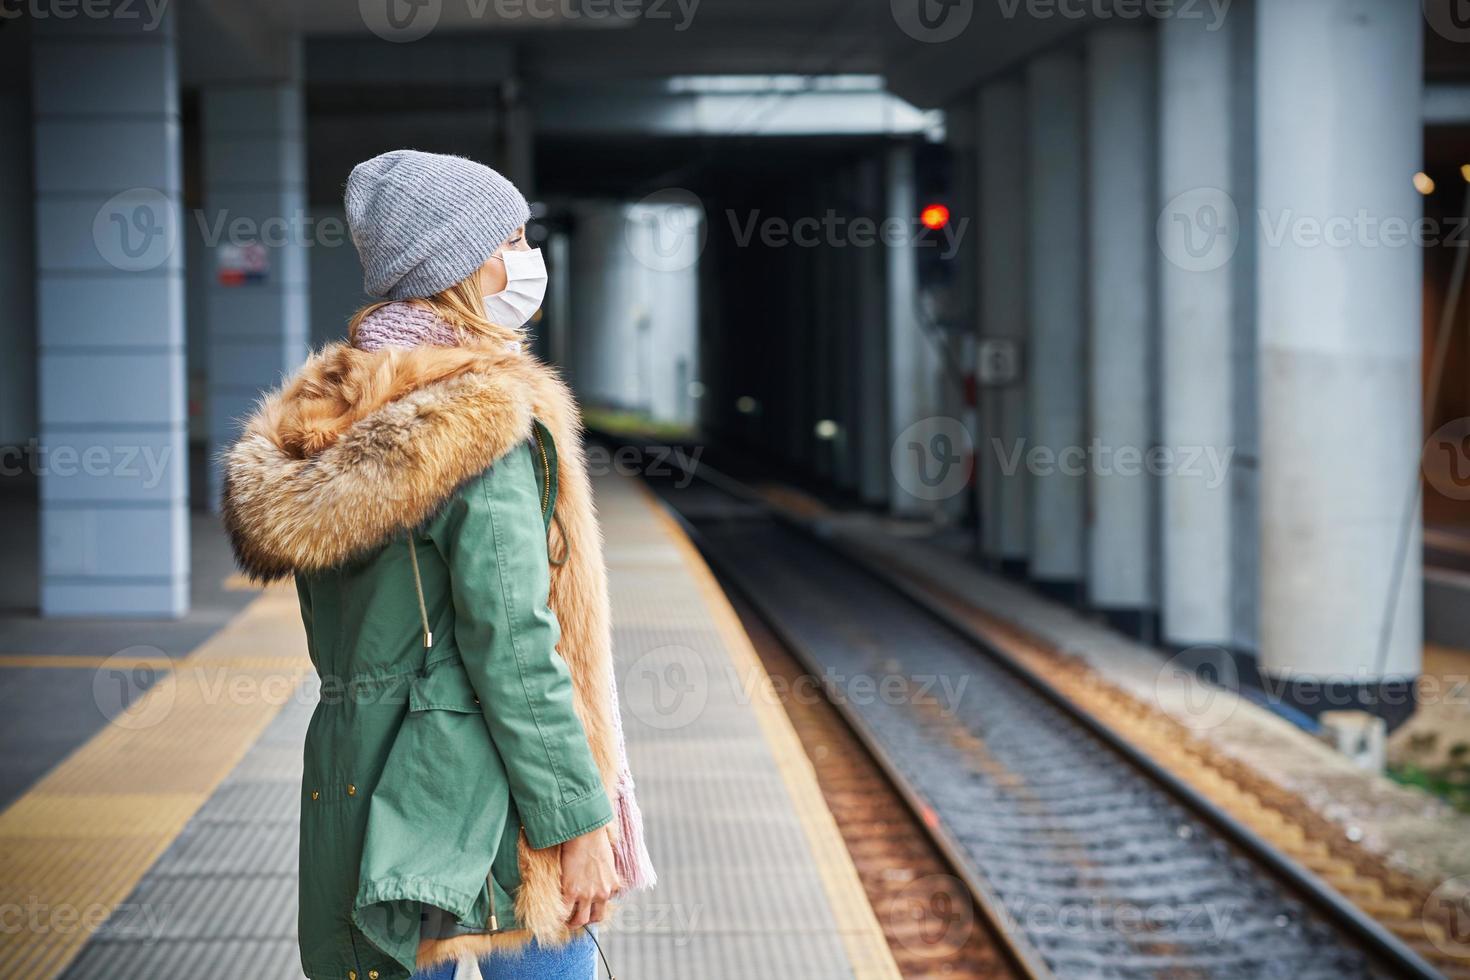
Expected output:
{"points": [[403, 325]]}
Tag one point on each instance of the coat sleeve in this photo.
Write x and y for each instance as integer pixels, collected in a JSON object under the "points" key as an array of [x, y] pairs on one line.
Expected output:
{"points": [[494, 542]]}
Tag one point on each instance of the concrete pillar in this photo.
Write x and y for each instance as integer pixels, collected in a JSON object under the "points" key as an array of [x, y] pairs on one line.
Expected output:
{"points": [[256, 234], [1244, 469], [553, 333], [1338, 88], [603, 363], [1121, 573], [847, 331], [874, 481], [634, 292], [923, 457], [114, 508], [519, 139], [1199, 262], [1056, 377], [335, 277], [1002, 308]]}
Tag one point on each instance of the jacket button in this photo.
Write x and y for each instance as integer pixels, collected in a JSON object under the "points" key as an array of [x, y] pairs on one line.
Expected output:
{"points": [[351, 975], [316, 794], [372, 975], [351, 789]]}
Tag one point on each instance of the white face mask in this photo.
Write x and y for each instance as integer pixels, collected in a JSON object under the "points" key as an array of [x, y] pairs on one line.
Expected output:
{"points": [[525, 288]]}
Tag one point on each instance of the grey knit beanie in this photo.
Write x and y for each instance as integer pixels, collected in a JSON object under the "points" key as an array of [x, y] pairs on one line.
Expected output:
{"points": [[424, 221]]}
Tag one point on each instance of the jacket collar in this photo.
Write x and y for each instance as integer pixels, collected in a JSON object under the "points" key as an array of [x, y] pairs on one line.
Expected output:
{"points": [[360, 446]]}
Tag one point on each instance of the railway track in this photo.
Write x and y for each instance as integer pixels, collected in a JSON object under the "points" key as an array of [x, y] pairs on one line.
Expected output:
{"points": [[1086, 858], [932, 927]]}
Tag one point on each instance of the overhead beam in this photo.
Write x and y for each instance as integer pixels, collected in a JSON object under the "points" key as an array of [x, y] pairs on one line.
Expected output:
{"points": [[647, 110]]}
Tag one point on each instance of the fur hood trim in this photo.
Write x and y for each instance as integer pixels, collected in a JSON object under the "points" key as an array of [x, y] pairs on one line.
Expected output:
{"points": [[360, 446]]}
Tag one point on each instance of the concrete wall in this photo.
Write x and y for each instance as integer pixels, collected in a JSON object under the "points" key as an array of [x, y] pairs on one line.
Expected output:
{"points": [[257, 285], [1001, 308], [17, 252], [114, 530], [1122, 339], [1339, 329], [336, 278], [632, 334], [1056, 305]]}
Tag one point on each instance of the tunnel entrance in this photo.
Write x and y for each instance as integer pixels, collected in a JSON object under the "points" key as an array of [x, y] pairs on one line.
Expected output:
{"points": [[795, 283]]}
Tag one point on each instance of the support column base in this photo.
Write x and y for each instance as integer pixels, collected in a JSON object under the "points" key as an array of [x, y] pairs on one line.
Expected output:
{"points": [[1394, 699], [1302, 699], [1015, 569], [1136, 624], [1066, 591]]}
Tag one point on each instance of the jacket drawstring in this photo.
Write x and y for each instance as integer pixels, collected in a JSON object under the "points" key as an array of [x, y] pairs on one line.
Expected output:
{"points": [[418, 581], [418, 587], [566, 546]]}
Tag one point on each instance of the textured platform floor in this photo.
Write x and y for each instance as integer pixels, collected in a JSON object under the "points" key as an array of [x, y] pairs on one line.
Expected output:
{"points": [[754, 877]]}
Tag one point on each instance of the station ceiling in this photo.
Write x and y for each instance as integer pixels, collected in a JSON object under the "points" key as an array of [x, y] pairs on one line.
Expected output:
{"points": [[573, 42], [570, 41]]}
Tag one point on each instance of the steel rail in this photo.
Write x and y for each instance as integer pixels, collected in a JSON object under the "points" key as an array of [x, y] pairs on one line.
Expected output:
{"points": [[1016, 947]]}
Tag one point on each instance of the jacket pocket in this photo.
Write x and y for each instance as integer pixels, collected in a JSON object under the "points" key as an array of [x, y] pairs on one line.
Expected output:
{"points": [[446, 687], [440, 809]]}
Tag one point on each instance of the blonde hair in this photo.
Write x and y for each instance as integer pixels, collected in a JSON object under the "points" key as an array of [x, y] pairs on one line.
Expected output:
{"points": [[461, 306]]}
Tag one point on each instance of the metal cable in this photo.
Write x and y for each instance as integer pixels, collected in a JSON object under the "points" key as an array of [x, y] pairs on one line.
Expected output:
{"points": [[1431, 399]]}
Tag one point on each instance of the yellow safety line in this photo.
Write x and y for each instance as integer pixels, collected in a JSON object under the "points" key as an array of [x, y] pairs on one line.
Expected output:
{"points": [[76, 844], [75, 661], [858, 927], [236, 582]]}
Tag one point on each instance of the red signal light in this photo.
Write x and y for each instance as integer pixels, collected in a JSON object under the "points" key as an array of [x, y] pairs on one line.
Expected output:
{"points": [[934, 216]]}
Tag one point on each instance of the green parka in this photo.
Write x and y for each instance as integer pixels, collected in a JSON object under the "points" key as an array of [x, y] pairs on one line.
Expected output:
{"points": [[413, 495]]}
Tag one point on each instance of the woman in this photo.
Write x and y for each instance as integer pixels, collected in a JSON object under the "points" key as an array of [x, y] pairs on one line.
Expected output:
{"points": [[466, 802]]}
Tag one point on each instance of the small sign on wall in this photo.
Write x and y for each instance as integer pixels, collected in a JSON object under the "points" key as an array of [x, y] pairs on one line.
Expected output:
{"points": [[240, 265], [997, 362]]}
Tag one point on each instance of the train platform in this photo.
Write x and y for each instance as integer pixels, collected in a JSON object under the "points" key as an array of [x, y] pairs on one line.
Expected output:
{"points": [[162, 841]]}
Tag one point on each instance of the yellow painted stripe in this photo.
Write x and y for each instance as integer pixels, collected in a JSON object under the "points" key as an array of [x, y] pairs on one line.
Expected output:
{"points": [[235, 582], [78, 661], [862, 936], [77, 843]]}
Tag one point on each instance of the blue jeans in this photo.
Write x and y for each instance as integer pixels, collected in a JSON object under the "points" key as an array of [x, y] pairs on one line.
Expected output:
{"points": [[577, 960]]}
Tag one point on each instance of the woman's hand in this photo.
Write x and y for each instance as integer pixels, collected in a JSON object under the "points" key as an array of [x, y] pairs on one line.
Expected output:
{"points": [[588, 876]]}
